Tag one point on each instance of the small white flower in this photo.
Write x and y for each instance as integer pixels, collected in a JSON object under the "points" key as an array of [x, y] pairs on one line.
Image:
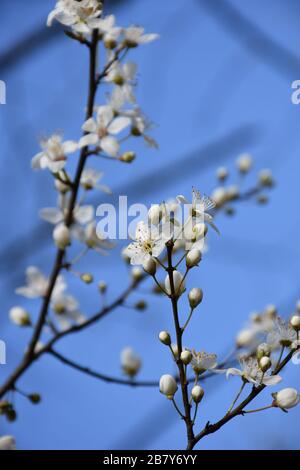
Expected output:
{"points": [[7, 443], [92, 238], [100, 131], [246, 338], [90, 180], [81, 16], [67, 311], [251, 372], [147, 243], [202, 361], [53, 155], [19, 316], [37, 284], [123, 75], [199, 207], [134, 35], [81, 214], [130, 362], [110, 33], [283, 334], [168, 386], [286, 398]]}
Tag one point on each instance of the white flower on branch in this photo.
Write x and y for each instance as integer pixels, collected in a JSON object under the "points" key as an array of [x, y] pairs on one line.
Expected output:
{"points": [[81, 214], [134, 36], [99, 130], [7, 443], [54, 153], [90, 180], [199, 207], [123, 76], [37, 284], [202, 361], [66, 310], [109, 31], [130, 362], [81, 16], [92, 238], [251, 372], [178, 283], [148, 242], [282, 335]]}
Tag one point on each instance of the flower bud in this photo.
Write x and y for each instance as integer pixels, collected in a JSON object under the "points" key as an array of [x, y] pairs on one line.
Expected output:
{"points": [[265, 363], [61, 187], [61, 236], [295, 322], [244, 163], [263, 350], [197, 393], [219, 196], [186, 356], [19, 316], [35, 398], [127, 157], [165, 338], [136, 273], [130, 362], [271, 311], [195, 297], [102, 286], [193, 258], [87, 278], [245, 338], [232, 192], [222, 173], [150, 266], [168, 386], [140, 305], [178, 283], [7, 443], [155, 214], [265, 178], [286, 398], [110, 43]]}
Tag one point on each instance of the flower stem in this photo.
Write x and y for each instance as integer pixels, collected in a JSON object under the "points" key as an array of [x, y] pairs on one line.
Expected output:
{"points": [[236, 398]]}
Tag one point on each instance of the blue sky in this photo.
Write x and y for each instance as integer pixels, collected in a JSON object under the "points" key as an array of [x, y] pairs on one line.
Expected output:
{"points": [[216, 84]]}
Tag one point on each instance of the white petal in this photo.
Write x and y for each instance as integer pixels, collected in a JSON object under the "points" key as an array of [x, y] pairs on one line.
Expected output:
{"points": [[181, 199], [118, 125], [272, 380], [129, 70], [84, 214], [90, 126], [233, 371], [110, 146], [69, 146], [89, 139], [36, 161], [51, 214]]}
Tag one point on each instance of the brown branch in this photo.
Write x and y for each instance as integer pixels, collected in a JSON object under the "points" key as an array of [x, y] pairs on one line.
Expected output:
{"points": [[239, 410]]}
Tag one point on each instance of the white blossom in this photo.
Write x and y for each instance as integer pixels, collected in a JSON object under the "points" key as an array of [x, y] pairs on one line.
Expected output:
{"points": [[178, 283], [100, 130], [66, 309], [130, 361], [7, 443], [251, 372], [37, 284], [55, 215], [123, 75], [199, 207], [93, 239], [90, 180], [134, 35], [148, 242], [109, 31], [202, 361], [81, 16], [54, 153], [282, 334], [287, 398]]}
